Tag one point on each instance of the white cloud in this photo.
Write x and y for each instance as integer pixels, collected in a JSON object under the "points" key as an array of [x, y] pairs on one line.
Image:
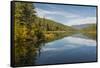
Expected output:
{"points": [[69, 18], [42, 13]]}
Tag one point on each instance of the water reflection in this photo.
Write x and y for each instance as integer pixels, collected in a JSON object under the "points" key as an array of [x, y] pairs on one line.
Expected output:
{"points": [[75, 48], [26, 53], [67, 50], [68, 43]]}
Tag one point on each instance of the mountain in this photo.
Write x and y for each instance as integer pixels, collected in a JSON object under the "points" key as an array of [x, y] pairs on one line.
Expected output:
{"points": [[82, 26], [91, 27], [90, 31], [50, 25]]}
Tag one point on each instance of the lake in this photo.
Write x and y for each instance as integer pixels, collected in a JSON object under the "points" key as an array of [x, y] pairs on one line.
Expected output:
{"points": [[70, 49]]}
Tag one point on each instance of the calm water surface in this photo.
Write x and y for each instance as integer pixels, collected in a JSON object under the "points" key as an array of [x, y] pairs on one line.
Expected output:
{"points": [[75, 48]]}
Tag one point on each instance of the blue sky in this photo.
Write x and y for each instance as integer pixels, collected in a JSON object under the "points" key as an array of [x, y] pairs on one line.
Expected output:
{"points": [[67, 14]]}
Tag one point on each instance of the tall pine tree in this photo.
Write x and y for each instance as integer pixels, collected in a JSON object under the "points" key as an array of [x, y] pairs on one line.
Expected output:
{"points": [[24, 17]]}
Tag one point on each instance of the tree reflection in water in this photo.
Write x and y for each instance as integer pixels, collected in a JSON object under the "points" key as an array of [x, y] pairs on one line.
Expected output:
{"points": [[26, 52]]}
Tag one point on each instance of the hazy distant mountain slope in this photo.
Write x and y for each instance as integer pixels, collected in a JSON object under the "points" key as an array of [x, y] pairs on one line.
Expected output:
{"points": [[81, 26], [91, 27], [90, 31]]}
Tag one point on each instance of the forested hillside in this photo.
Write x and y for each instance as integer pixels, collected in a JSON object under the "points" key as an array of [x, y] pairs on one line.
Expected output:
{"points": [[50, 25], [29, 26]]}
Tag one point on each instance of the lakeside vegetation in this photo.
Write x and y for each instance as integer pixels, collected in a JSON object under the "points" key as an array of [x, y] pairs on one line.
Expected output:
{"points": [[31, 32]]}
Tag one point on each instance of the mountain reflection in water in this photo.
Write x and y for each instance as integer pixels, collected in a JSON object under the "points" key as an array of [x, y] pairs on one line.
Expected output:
{"points": [[75, 48]]}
